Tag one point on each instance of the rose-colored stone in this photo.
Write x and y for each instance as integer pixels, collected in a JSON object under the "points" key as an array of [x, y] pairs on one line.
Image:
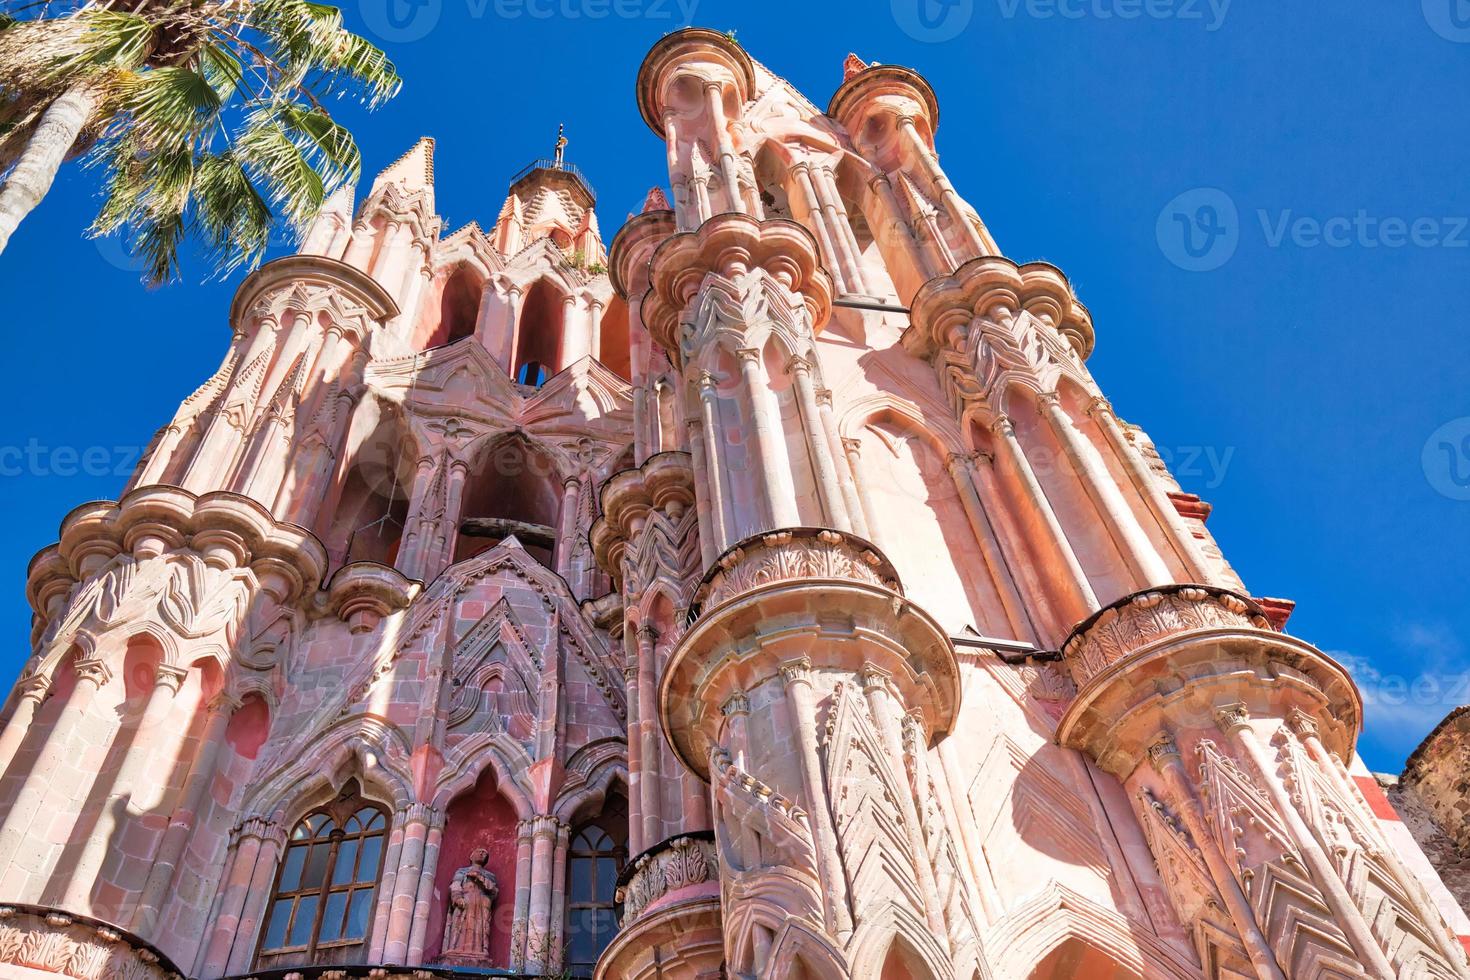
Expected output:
{"points": [[787, 546]]}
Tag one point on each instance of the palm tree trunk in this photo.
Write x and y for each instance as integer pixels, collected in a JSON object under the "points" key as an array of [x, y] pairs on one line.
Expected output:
{"points": [[56, 133]]}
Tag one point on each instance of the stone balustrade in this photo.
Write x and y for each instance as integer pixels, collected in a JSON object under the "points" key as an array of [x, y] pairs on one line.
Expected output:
{"points": [[66, 945], [683, 862], [802, 554], [1109, 639]]}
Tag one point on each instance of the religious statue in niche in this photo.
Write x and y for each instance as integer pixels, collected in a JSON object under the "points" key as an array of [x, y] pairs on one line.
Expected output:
{"points": [[467, 922]]}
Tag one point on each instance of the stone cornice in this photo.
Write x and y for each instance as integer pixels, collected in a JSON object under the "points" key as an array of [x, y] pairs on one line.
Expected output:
{"points": [[714, 52], [878, 83], [664, 480], [229, 528], [946, 303], [76, 946], [729, 245], [358, 285], [631, 249]]}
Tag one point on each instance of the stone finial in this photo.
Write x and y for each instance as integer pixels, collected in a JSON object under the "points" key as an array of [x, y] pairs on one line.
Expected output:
{"points": [[853, 65], [655, 200]]}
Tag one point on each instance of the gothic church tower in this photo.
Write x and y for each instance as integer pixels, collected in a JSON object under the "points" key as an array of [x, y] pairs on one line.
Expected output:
{"points": [[770, 594]]}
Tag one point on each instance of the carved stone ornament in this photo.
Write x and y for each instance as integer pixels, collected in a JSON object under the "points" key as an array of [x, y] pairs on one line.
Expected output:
{"points": [[676, 863], [796, 554], [1118, 631], [467, 919]]}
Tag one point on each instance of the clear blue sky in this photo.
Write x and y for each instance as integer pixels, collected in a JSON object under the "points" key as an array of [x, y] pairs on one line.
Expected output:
{"points": [[1297, 382]]}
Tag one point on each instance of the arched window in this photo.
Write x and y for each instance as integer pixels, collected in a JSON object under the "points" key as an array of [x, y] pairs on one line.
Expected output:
{"points": [[538, 347], [323, 900], [594, 861]]}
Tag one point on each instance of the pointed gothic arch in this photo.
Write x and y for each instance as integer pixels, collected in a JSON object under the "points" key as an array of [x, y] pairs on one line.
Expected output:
{"points": [[458, 310], [514, 489], [540, 323]]}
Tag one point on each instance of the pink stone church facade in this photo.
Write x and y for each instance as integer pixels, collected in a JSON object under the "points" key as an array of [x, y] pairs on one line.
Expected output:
{"points": [[771, 593]]}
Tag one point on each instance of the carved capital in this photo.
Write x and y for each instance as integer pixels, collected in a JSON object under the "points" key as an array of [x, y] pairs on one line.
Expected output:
{"points": [[1162, 753], [797, 671], [748, 355], [875, 677], [1302, 724], [35, 688], [736, 704], [1232, 717], [1100, 406], [223, 703], [170, 677], [93, 671]]}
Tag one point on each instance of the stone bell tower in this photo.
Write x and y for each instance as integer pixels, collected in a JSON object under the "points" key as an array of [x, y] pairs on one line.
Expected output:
{"points": [[772, 594]]}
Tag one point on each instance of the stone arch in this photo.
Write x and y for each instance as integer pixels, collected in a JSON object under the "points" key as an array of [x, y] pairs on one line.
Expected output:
{"points": [[457, 311], [493, 752], [893, 943], [366, 520], [771, 164], [373, 750], [594, 772], [540, 325], [615, 351], [1057, 915], [515, 478], [918, 510]]}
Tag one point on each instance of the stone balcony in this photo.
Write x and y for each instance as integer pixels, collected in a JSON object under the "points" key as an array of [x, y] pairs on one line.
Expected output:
{"points": [[1173, 655]]}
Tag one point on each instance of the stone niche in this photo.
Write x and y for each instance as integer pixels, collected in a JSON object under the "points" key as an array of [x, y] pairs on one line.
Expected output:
{"points": [[479, 818]]}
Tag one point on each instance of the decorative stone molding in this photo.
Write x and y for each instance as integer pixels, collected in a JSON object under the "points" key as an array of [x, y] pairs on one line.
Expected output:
{"points": [[1116, 632], [227, 529], [364, 593], [299, 272], [663, 485], [993, 325], [66, 945], [680, 862], [802, 554], [730, 246], [884, 90], [695, 52]]}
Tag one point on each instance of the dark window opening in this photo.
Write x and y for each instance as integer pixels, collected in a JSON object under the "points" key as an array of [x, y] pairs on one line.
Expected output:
{"points": [[322, 905]]}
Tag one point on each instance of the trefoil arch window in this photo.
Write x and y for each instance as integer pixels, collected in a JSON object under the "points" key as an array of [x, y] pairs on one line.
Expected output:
{"points": [[595, 858], [322, 905]]}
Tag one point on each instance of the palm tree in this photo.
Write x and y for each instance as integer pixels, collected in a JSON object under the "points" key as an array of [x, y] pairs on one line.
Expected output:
{"points": [[205, 116]]}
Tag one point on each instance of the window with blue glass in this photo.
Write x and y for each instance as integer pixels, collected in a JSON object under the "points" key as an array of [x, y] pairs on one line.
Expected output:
{"points": [[322, 905], [595, 857]]}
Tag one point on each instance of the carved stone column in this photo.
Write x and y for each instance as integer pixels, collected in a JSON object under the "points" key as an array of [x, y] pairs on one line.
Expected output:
{"points": [[1275, 866], [15, 827], [127, 786], [737, 289], [765, 697]]}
